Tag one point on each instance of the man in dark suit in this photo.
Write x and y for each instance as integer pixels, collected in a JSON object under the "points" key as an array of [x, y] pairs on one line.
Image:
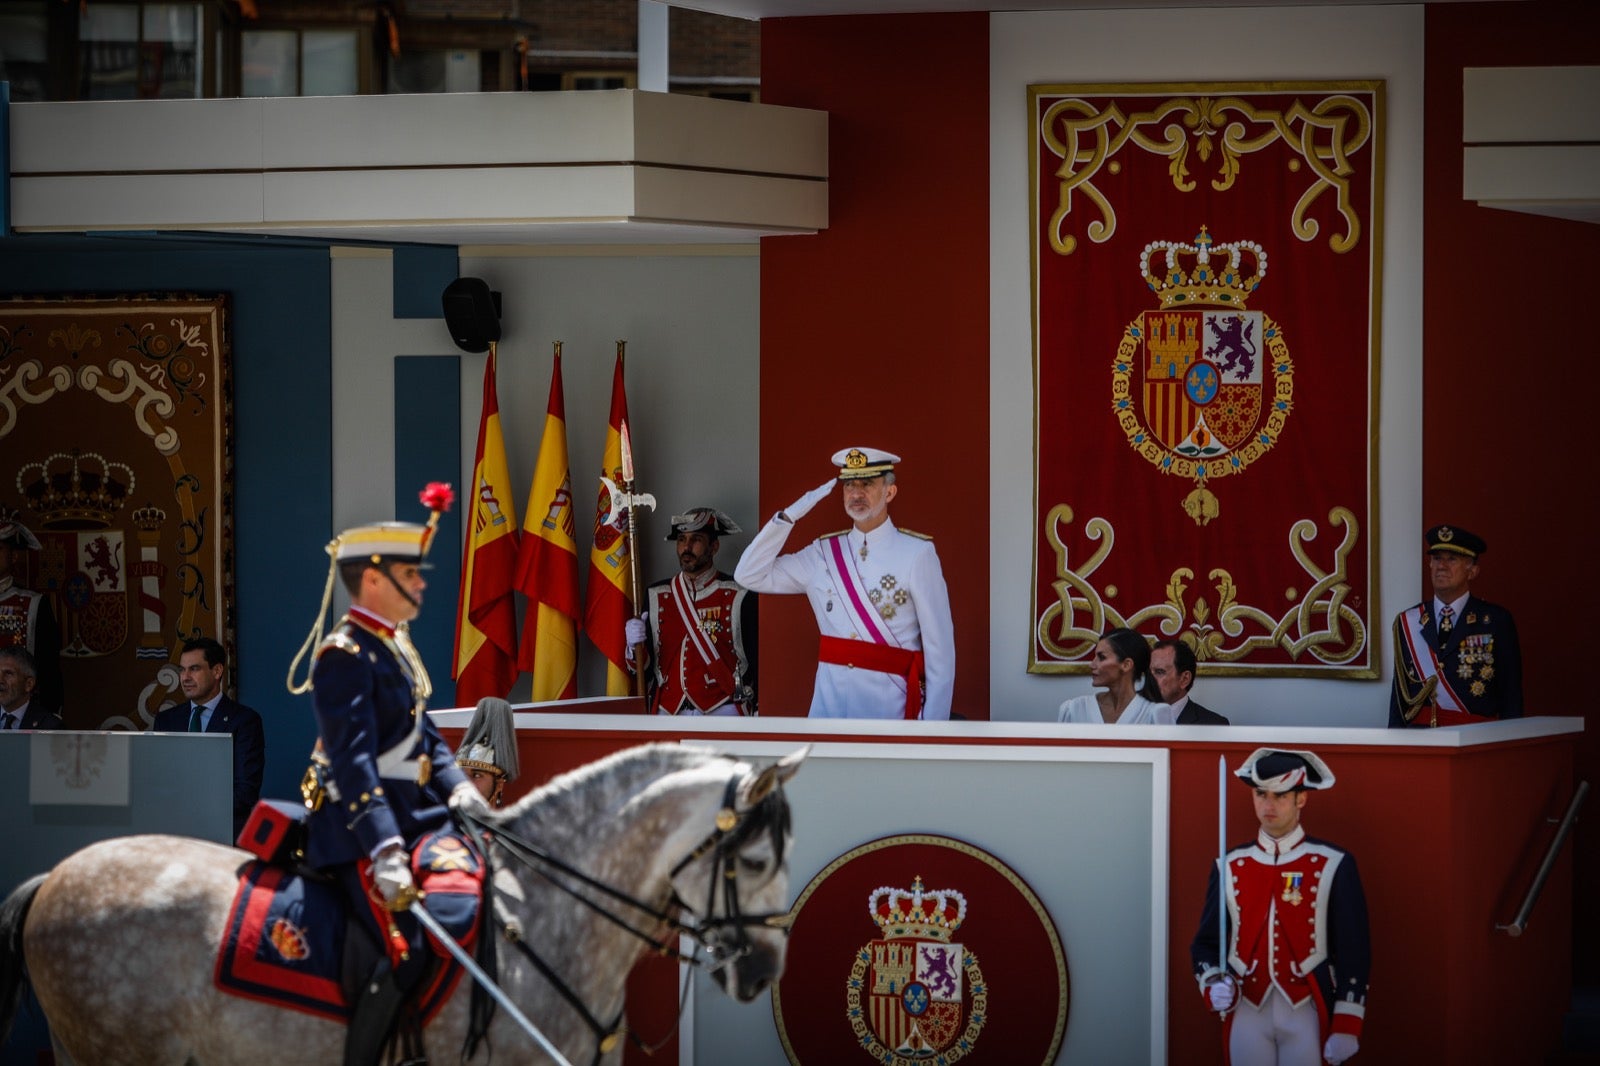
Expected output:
{"points": [[1173, 665], [202, 666], [1457, 659], [18, 708]]}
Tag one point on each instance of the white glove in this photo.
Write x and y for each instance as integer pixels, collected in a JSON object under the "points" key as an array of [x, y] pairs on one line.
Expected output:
{"points": [[465, 799], [801, 507], [634, 632], [1340, 1046], [391, 872], [1221, 994]]}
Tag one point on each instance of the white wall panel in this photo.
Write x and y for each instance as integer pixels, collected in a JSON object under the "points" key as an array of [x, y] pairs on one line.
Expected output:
{"points": [[1257, 44]]}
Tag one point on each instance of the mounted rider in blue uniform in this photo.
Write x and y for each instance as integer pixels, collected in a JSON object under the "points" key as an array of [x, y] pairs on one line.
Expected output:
{"points": [[382, 782]]}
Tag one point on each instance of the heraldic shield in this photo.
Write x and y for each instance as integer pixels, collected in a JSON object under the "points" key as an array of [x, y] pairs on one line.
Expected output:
{"points": [[1201, 386], [915, 994], [923, 992]]}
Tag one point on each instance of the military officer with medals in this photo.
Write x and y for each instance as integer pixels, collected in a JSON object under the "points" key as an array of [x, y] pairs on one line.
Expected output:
{"points": [[381, 781], [1292, 980], [1457, 659], [887, 646], [700, 627]]}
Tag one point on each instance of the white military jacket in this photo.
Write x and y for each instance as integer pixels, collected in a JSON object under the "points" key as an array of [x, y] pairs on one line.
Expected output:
{"points": [[901, 576]]}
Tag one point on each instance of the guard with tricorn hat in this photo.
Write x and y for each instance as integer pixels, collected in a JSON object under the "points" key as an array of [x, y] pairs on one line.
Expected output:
{"points": [[887, 647], [1457, 659], [382, 782], [699, 626], [1282, 952]]}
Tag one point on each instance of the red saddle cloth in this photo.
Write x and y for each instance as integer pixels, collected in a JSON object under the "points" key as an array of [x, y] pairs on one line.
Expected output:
{"points": [[285, 939]]}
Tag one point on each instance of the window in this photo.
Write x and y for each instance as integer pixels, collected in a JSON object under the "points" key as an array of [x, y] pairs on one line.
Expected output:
{"points": [[299, 62], [24, 50], [140, 51], [599, 79], [436, 71]]}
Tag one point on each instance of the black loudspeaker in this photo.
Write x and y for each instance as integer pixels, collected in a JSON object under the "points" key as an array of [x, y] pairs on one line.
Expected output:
{"points": [[472, 314]]}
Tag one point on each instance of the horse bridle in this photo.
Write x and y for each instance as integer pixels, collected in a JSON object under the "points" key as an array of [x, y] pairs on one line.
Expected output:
{"points": [[731, 831]]}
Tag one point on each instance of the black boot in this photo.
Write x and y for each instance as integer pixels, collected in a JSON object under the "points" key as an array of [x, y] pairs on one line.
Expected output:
{"points": [[377, 1005]]}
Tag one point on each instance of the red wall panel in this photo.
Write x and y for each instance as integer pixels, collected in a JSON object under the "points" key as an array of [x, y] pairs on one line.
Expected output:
{"points": [[1500, 453], [876, 330]]}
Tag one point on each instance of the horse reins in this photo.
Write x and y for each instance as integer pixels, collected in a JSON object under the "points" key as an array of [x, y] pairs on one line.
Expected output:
{"points": [[730, 833]]}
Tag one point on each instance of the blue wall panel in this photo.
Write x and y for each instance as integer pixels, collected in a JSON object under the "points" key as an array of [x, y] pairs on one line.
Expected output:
{"points": [[421, 273], [427, 447], [281, 320]]}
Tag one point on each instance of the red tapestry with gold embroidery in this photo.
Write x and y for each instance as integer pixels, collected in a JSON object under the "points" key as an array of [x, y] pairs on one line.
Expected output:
{"points": [[1206, 319], [116, 438]]}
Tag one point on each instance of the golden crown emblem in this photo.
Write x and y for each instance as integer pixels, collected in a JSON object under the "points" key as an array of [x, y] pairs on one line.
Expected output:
{"points": [[1222, 282], [83, 490], [934, 915]]}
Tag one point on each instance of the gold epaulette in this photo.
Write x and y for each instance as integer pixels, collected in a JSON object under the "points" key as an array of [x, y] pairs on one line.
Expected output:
{"points": [[341, 640], [914, 533], [830, 536]]}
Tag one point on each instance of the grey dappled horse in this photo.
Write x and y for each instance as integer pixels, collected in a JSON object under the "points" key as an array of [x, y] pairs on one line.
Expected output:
{"points": [[121, 938]]}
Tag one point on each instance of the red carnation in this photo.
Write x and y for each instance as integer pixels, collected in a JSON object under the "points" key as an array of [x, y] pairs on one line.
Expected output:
{"points": [[438, 496]]}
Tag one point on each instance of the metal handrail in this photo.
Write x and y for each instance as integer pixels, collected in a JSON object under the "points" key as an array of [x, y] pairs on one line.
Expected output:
{"points": [[1520, 922]]}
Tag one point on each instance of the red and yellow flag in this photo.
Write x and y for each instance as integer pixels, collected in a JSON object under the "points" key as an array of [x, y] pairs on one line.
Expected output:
{"points": [[486, 616], [610, 600], [547, 565]]}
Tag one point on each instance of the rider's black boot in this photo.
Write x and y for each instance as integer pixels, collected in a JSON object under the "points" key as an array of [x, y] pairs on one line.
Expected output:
{"points": [[377, 1005]]}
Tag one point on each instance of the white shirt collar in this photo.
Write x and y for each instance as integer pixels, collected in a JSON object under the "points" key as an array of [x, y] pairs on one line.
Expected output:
{"points": [[873, 536], [1277, 847], [1456, 606], [1179, 704]]}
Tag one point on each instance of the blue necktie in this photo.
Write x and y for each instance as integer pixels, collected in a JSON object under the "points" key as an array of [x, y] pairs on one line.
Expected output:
{"points": [[194, 719]]}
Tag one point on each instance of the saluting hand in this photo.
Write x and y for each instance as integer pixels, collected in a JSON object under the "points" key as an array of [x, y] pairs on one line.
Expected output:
{"points": [[801, 507]]}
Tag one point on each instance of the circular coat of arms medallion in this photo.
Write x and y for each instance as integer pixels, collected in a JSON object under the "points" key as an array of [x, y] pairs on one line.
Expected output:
{"points": [[884, 961]]}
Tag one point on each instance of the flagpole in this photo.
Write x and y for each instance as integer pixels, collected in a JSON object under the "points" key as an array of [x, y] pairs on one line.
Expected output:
{"points": [[633, 535]]}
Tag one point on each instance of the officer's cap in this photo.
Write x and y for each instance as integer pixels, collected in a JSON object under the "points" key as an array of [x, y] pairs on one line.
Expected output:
{"points": [[1275, 770], [860, 463], [13, 534], [399, 542], [707, 520], [1455, 539]]}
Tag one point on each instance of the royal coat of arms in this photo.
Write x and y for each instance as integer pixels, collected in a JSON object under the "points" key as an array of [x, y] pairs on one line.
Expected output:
{"points": [[915, 994], [1201, 386]]}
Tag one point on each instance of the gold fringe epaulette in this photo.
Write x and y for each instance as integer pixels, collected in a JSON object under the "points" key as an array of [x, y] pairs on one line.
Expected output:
{"points": [[341, 640], [914, 533]]}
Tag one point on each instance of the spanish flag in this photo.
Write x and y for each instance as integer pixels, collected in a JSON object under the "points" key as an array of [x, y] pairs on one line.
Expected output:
{"points": [[547, 565], [610, 599], [486, 616]]}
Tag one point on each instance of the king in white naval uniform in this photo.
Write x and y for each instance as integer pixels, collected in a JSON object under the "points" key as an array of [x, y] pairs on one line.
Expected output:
{"points": [[888, 644]]}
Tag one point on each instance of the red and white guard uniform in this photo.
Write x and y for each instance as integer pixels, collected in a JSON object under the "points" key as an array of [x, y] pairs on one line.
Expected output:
{"points": [[1297, 943], [723, 612]]}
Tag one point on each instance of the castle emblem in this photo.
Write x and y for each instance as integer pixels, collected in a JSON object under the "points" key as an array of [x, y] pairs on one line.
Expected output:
{"points": [[1201, 386], [914, 996]]}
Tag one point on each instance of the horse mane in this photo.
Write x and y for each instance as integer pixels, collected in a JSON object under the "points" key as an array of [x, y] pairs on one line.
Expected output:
{"points": [[571, 797]]}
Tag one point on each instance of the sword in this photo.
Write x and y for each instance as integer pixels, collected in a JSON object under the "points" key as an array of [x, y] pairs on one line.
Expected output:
{"points": [[468, 963], [1222, 871]]}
